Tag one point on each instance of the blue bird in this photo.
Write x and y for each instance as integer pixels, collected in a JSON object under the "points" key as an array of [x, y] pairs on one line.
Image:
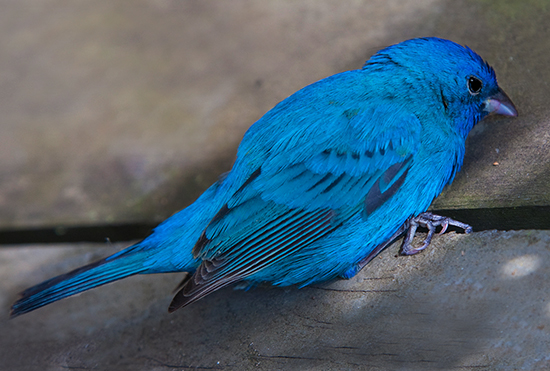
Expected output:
{"points": [[322, 182]]}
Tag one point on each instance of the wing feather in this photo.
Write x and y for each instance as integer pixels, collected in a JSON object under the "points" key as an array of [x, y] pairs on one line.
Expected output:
{"points": [[289, 201]]}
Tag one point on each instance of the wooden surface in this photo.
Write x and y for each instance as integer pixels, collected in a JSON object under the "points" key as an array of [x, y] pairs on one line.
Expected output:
{"points": [[122, 112], [474, 302]]}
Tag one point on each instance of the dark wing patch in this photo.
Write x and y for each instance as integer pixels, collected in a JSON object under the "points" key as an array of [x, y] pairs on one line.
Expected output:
{"points": [[386, 185]]}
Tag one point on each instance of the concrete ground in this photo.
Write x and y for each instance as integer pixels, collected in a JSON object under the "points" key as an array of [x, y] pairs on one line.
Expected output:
{"points": [[470, 302]]}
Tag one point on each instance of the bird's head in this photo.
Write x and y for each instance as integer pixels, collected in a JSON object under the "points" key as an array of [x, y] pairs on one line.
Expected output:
{"points": [[442, 76]]}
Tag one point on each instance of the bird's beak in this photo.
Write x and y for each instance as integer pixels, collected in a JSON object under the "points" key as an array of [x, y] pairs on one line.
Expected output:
{"points": [[500, 104]]}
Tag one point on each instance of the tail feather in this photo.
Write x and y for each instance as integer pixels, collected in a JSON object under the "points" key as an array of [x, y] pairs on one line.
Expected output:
{"points": [[81, 279]]}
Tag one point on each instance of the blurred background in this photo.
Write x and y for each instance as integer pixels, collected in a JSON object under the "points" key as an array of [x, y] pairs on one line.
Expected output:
{"points": [[116, 114]]}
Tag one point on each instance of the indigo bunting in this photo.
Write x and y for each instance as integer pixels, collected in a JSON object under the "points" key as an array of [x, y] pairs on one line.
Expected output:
{"points": [[322, 182]]}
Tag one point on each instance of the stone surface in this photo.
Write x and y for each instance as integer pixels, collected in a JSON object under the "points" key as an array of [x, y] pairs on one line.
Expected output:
{"points": [[469, 302], [116, 111]]}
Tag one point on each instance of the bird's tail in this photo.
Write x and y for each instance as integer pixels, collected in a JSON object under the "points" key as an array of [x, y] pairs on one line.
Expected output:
{"points": [[123, 264]]}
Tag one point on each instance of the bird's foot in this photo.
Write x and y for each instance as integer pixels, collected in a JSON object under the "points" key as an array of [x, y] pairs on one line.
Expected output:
{"points": [[426, 220], [431, 222]]}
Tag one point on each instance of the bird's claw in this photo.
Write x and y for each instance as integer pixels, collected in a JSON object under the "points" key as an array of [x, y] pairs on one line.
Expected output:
{"points": [[431, 222]]}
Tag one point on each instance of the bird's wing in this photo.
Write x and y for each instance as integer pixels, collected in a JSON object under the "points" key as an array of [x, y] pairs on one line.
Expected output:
{"points": [[302, 192]]}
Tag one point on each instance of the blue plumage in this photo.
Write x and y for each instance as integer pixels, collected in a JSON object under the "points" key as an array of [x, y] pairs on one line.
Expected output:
{"points": [[322, 182]]}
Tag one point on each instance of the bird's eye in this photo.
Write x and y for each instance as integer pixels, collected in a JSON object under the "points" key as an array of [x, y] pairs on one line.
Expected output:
{"points": [[474, 85]]}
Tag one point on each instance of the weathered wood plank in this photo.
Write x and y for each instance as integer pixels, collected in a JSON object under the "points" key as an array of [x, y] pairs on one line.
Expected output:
{"points": [[115, 113], [469, 302]]}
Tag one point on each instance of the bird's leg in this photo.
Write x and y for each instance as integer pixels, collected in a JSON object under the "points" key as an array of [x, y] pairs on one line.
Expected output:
{"points": [[431, 222], [426, 220], [353, 271]]}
